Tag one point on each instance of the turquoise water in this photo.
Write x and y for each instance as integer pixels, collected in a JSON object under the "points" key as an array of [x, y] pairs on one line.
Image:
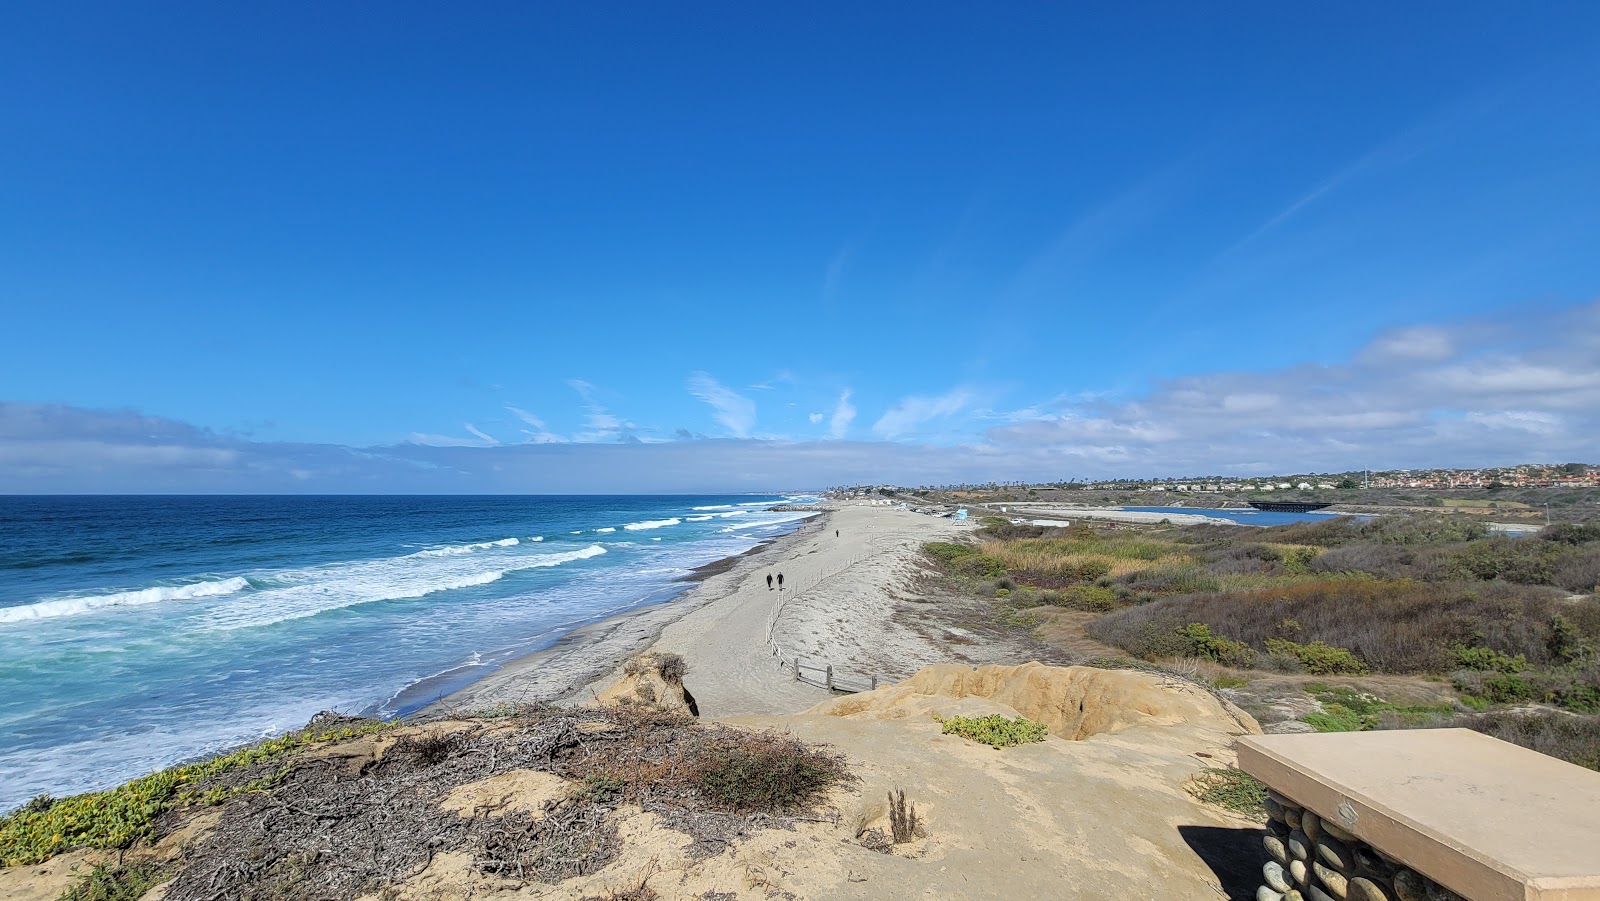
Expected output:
{"points": [[136, 632]]}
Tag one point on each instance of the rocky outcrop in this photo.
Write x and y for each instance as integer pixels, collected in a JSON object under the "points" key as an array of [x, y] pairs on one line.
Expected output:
{"points": [[1073, 702], [652, 680]]}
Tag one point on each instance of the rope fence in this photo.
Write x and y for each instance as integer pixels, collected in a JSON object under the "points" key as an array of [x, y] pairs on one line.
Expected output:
{"points": [[825, 675]]}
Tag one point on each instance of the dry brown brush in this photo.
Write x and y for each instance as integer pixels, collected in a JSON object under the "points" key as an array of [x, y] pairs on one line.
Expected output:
{"points": [[340, 826]]}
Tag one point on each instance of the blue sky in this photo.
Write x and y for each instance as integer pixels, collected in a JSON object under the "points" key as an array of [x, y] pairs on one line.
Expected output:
{"points": [[393, 246]]}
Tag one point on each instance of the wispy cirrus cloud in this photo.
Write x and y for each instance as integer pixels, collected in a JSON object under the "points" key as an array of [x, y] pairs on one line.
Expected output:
{"points": [[732, 410], [912, 412], [601, 424], [1522, 386], [844, 413]]}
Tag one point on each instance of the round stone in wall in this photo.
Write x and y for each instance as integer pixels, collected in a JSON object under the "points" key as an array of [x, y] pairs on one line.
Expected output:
{"points": [[1277, 879], [1337, 883], [1299, 845], [1364, 889], [1409, 885], [1276, 849], [1335, 854], [1311, 825]]}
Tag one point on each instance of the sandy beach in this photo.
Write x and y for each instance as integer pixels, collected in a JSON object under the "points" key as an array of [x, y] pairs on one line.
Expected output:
{"points": [[851, 600]]}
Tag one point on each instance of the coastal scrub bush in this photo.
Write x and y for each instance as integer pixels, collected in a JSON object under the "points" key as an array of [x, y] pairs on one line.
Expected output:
{"points": [[1392, 626], [1083, 597], [978, 566], [115, 818], [948, 552], [994, 730], [1484, 658], [1180, 578], [766, 773], [1226, 651], [1319, 659], [1571, 532], [1575, 739]]}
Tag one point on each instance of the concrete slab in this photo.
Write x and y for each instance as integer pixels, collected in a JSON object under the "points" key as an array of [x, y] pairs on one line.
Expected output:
{"points": [[1485, 818]]}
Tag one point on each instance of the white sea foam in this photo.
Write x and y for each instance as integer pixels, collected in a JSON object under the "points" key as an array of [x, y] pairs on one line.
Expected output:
{"points": [[72, 606], [698, 518], [606, 529], [758, 504], [452, 550], [716, 507], [537, 538], [734, 513], [303, 593], [652, 524]]}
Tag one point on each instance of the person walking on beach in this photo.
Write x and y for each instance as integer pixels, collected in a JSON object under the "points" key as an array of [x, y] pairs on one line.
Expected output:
{"points": [[780, 583], [769, 581]]}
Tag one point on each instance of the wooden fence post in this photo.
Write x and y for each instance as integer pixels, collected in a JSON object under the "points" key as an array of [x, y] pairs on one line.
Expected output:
{"points": [[797, 669], [830, 677], [874, 681]]}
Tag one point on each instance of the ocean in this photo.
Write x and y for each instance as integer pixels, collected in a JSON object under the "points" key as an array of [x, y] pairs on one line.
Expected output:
{"points": [[138, 632]]}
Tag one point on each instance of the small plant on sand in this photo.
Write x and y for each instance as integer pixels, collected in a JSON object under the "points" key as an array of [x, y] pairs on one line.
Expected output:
{"points": [[994, 730], [1233, 789], [903, 822], [115, 882]]}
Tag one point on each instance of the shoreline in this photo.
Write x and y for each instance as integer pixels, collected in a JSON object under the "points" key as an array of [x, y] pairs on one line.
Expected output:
{"points": [[576, 660]]}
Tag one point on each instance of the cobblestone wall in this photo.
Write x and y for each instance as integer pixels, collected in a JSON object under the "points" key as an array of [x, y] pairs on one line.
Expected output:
{"points": [[1313, 859]]}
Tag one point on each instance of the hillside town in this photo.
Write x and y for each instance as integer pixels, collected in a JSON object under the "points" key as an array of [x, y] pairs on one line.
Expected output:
{"points": [[1526, 475]]}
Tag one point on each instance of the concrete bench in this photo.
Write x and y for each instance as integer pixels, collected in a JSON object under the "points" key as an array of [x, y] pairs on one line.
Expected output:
{"points": [[1486, 819]]}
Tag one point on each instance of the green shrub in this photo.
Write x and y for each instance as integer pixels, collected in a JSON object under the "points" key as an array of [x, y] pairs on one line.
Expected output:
{"points": [[947, 552], [1084, 597], [1489, 659], [1319, 659], [1346, 709], [978, 566], [994, 730], [1214, 647], [115, 818], [1297, 560], [1495, 687]]}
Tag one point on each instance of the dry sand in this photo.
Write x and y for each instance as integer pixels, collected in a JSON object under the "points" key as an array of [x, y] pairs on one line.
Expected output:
{"points": [[850, 600]]}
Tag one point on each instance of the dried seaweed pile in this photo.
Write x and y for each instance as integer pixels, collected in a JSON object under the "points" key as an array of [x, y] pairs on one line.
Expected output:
{"points": [[336, 827]]}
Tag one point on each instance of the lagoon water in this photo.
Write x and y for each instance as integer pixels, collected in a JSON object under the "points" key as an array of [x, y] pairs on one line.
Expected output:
{"points": [[137, 632], [1247, 516]]}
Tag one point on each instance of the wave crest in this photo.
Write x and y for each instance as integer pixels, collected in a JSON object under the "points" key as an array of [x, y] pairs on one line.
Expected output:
{"points": [[72, 606]]}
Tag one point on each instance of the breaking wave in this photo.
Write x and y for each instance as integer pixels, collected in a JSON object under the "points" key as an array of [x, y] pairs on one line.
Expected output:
{"points": [[73, 606]]}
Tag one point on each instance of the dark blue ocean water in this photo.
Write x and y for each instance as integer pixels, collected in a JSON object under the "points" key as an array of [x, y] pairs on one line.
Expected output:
{"points": [[136, 632]]}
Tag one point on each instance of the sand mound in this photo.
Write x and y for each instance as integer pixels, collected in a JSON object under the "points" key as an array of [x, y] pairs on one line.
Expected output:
{"points": [[652, 680], [1073, 702]]}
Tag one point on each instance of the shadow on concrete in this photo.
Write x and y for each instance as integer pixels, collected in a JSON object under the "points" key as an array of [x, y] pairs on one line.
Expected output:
{"points": [[1235, 855]]}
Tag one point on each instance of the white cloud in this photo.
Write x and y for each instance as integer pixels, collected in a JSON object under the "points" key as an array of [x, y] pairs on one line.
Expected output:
{"points": [[843, 414], [527, 417], [905, 416], [734, 411], [816, 417], [487, 439]]}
